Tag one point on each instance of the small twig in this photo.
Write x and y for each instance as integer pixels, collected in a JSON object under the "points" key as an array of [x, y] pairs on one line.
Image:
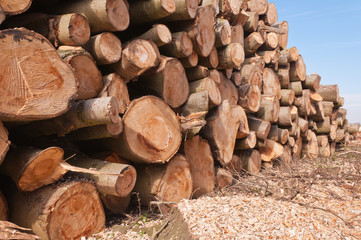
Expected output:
{"points": [[160, 230], [348, 152]]}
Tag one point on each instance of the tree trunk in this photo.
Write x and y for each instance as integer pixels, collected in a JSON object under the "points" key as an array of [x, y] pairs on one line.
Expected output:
{"points": [[142, 12], [247, 142], [269, 109], [230, 56], [270, 150], [223, 32], [283, 74], [190, 61], [49, 211], [252, 74], [249, 98], [114, 86], [14, 7], [137, 57], [287, 97], [105, 48], [103, 15], [207, 84], [180, 46], [36, 83], [169, 81], [4, 142], [252, 43], [312, 82], [199, 156], [329, 93], [87, 74], [259, 6], [282, 38], [228, 90], [32, 168], [323, 146], [251, 22], [296, 87], [226, 118], [271, 85], [261, 127], [224, 178], [211, 61], [171, 182]]}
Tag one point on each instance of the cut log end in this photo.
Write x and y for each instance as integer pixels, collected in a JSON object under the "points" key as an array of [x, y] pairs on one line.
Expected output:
{"points": [[79, 30], [118, 14]]}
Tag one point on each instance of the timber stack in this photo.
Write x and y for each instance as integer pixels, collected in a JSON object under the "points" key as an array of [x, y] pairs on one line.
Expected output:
{"points": [[166, 98]]}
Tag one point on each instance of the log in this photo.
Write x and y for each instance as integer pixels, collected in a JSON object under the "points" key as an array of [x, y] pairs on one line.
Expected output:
{"points": [[287, 97], [296, 87], [87, 74], [249, 98], [137, 57], [97, 132], [213, 3], [257, 60], [323, 146], [340, 134], [230, 56], [283, 135], [68, 29], [228, 90], [293, 130], [4, 209], [353, 128], [251, 22], [215, 75], [207, 84], [37, 84], [328, 108], [310, 149], [243, 129], [250, 161], [270, 150], [199, 156], [236, 78], [2, 15], [252, 74], [288, 55], [273, 133], [286, 156], [270, 57], [341, 102], [190, 61], [269, 109], [271, 15], [115, 204], [312, 82], [294, 113], [102, 15], [159, 34], [225, 118], [105, 48], [169, 81], [50, 210], [184, 10], [11, 7], [92, 112], [248, 142], [291, 141], [333, 148], [333, 131], [284, 117], [303, 103], [283, 74], [197, 102], [142, 12], [259, 6], [170, 182], [180, 46], [297, 149], [228, 8], [151, 132], [4, 142], [271, 85], [237, 34], [114, 86], [271, 41], [329, 93], [211, 61], [224, 178], [261, 127], [223, 32], [252, 43], [324, 127], [302, 124], [298, 70], [282, 38], [197, 73], [32, 168]]}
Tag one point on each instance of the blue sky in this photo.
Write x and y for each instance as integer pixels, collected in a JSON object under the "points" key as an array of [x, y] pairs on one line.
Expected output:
{"points": [[327, 34]]}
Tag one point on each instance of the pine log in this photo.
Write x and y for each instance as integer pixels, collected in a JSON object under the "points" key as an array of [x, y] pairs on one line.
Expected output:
{"points": [[297, 149], [243, 129], [273, 133], [291, 141], [50, 211], [170, 182], [310, 149], [228, 90], [151, 132], [270, 57], [114, 86], [14, 7], [328, 108], [282, 38], [298, 70], [137, 57], [251, 22], [68, 29], [252, 43], [213, 3], [230, 56], [283, 135], [4, 142], [293, 129], [252, 74], [197, 73], [312, 82], [247, 142], [224, 178], [286, 156], [340, 134], [180, 46], [261, 127], [257, 60], [259, 6], [190, 61], [36, 84], [105, 48], [207, 84], [236, 78], [211, 61], [270, 150], [271, 41], [302, 124], [216, 76], [303, 103], [31, 168], [288, 55], [196, 102], [159, 34], [87, 74], [283, 74], [102, 15], [115, 204], [142, 12], [250, 161], [169, 81], [269, 109], [229, 8], [223, 32], [324, 127], [92, 112], [237, 34], [329, 93], [249, 98], [271, 15], [284, 118], [294, 113], [271, 85], [287, 97], [296, 87], [224, 119], [323, 146], [199, 156]]}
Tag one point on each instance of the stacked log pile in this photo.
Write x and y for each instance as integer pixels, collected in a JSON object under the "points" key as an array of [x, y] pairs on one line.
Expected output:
{"points": [[171, 98]]}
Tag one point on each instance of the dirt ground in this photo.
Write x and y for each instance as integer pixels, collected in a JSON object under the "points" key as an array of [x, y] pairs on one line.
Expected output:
{"points": [[310, 199]]}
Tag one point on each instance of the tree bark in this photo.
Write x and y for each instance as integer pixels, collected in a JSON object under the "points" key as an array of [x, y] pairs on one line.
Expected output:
{"points": [[211, 61], [271, 85], [226, 118], [297, 149], [229, 8], [49, 210], [248, 142], [180, 46], [284, 118], [223, 32], [14, 7], [252, 43], [288, 55], [243, 130], [249, 98], [142, 12], [169, 81], [4, 142], [310, 149], [250, 161], [270, 150], [282, 38], [283, 74], [115, 204], [230, 56], [32, 168], [312, 82], [329, 93], [271, 41], [324, 127], [207, 84], [251, 22], [303, 103], [197, 73], [197, 102], [287, 97], [302, 124], [228, 90], [224, 178], [87, 74], [199, 156], [269, 109], [296, 87], [261, 127], [36, 83], [298, 70], [190, 61], [213, 3]]}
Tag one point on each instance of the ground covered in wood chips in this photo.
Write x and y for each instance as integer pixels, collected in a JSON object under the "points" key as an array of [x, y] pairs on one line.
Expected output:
{"points": [[311, 199]]}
